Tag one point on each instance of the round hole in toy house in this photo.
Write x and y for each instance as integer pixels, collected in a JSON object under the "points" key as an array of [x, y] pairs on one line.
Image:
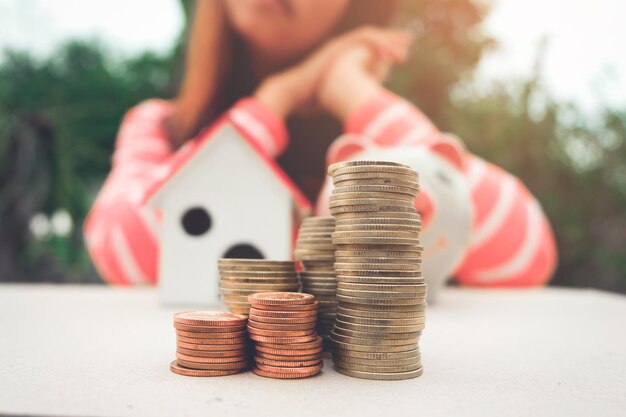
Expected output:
{"points": [[196, 221], [243, 251]]}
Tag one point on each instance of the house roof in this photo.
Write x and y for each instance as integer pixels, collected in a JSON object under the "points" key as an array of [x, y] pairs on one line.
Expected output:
{"points": [[191, 149]]}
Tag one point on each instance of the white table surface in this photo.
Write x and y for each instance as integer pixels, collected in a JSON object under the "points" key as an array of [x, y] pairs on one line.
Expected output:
{"points": [[100, 351]]}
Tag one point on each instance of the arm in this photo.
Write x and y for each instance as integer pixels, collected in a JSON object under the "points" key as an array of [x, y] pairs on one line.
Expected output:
{"points": [[353, 93]]}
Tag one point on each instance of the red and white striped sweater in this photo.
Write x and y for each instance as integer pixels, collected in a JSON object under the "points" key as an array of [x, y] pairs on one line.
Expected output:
{"points": [[120, 232]]}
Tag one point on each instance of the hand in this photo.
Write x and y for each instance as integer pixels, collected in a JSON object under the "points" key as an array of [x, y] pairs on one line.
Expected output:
{"points": [[295, 89], [353, 78]]}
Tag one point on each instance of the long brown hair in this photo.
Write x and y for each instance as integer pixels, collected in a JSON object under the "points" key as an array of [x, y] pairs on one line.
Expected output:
{"points": [[213, 83]]}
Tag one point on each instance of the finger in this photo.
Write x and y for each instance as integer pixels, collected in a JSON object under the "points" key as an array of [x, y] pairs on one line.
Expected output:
{"points": [[384, 44], [388, 51], [389, 43], [400, 36]]}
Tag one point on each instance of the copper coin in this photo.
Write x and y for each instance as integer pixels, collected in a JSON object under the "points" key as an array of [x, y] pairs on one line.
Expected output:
{"points": [[289, 352], [294, 339], [283, 314], [290, 307], [209, 318], [288, 364], [207, 341], [283, 327], [212, 353], [286, 370], [282, 320], [213, 335], [278, 317], [181, 370], [287, 358], [195, 346], [195, 359], [296, 346], [267, 374], [214, 366], [283, 324], [280, 298], [207, 329], [281, 333]]}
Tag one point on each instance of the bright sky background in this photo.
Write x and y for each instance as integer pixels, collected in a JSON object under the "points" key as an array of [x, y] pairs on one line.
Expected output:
{"points": [[586, 56]]}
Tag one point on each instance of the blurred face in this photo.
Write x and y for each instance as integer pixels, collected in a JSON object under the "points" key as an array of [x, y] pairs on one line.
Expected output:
{"points": [[282, 29]]}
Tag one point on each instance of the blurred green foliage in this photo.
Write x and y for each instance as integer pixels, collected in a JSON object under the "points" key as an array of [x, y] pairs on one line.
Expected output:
{"points": [[59, 117], [58, 121]]}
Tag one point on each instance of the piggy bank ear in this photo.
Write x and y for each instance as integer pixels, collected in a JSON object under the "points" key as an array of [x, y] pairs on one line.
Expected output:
{"points": [[344, 148], [451, 149]]}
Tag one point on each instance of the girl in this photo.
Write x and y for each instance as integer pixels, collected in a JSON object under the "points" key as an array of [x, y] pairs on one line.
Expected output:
{"points": [[262, 63]]}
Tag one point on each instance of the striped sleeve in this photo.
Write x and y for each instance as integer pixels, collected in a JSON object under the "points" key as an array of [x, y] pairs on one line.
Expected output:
{"points": [[260, 124], [512, 243], [120, 234], [387, 120]]}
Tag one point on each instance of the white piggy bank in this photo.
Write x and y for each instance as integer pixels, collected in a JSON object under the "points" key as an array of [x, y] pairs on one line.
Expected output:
{"points": [[443, 202]]}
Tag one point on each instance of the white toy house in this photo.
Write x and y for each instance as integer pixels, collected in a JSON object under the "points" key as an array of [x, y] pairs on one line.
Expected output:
{"points": [[221, 198]]}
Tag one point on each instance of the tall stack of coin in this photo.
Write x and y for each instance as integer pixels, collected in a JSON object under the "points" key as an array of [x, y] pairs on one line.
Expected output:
{"points": [[282, 326], [316, 252], [242, 277], [381, 292], [210, 343]]}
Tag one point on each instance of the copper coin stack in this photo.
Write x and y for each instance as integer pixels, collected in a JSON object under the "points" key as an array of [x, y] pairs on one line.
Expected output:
{"points": [[380, 290], [316, 252], [282, 326], [210, 343], [242, 277]]}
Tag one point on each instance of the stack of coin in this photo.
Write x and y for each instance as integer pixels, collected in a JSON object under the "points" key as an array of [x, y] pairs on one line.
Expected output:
{"points": [[210, 343], [380, 290], [242, 277], [282, 326], [316, 252]]}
